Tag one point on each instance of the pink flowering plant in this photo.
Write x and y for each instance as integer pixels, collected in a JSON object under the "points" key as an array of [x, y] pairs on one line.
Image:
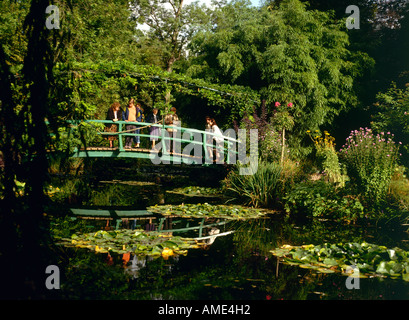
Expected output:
{"points": [[370, 160], [282, 117]]}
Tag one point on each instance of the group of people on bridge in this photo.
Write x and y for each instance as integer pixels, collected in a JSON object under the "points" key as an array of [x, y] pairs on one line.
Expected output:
{"points": [[135, 113]]}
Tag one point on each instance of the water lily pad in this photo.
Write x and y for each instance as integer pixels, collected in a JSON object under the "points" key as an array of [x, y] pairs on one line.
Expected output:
{"points": [[138, 242], [208, 210], [196, 191], [370, 259], [325, 270]]}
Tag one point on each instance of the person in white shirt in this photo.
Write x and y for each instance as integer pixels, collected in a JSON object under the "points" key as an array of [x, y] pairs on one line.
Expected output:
{"points": [[218, 137]]}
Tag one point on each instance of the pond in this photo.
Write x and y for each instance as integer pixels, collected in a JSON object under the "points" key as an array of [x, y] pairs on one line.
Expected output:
{"points": [[232, 258]]}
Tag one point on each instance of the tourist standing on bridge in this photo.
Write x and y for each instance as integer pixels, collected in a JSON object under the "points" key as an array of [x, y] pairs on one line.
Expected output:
{"points": [[209, 139], [114, 114], [208, 126], [218, 137], [171, 119], [139, 118], [154, 131], [132, 114]]}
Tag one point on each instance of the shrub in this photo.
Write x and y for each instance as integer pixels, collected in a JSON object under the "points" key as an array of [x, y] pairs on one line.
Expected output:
{"points": [[370, 161], [320, 199], [259, 189]]}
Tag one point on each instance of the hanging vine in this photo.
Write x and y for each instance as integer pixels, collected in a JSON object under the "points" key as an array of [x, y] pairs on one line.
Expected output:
{"points": [[93, 87]]}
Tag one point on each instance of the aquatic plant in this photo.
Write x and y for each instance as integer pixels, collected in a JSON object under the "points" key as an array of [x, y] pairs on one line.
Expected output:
{"points": [[193, 191], [208, 210], [259, 189], [138, 242], [370, 259]]}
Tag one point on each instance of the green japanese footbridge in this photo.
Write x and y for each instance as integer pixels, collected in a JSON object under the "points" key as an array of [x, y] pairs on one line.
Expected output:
{"points": [[190, 146]]}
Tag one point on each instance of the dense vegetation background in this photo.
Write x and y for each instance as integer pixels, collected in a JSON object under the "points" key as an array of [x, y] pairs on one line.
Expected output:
{"points": [[288, 68]]}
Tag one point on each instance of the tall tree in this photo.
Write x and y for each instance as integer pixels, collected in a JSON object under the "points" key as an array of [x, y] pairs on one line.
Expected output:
{"points": [[96, 30], [391, 113], [299, 56], [383, 35], [226, 49], [169, 25], [12, 36], [25, 137]]}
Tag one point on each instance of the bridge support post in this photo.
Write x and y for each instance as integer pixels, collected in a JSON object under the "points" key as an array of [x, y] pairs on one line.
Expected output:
{"points": [[120, 142], [206, 151]]}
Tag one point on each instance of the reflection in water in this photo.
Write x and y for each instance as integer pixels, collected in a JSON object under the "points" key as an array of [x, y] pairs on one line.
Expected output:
{"points": [[212, 235], [137, 263], [237, 263]]}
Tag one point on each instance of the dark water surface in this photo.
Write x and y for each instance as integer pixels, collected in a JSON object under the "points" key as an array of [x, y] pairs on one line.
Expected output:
{"points": [[237, 265]]}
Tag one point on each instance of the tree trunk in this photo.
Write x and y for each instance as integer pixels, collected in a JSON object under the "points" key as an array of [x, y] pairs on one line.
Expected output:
{"points": [[169, 64], [26, 254], [283, 146]]}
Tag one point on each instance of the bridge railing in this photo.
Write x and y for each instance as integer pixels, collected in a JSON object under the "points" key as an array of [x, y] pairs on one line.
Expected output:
{"points": [[227, 148]]}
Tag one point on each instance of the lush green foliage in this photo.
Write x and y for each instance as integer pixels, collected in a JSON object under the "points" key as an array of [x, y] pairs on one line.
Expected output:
{"points": [[77, 135], [321, 200], [370, 160], [280, 52], [171, 23], [93, 87], [95, 30], [287, 52], [271, 146], [371, 259], [392, 113], [11, 31]]}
